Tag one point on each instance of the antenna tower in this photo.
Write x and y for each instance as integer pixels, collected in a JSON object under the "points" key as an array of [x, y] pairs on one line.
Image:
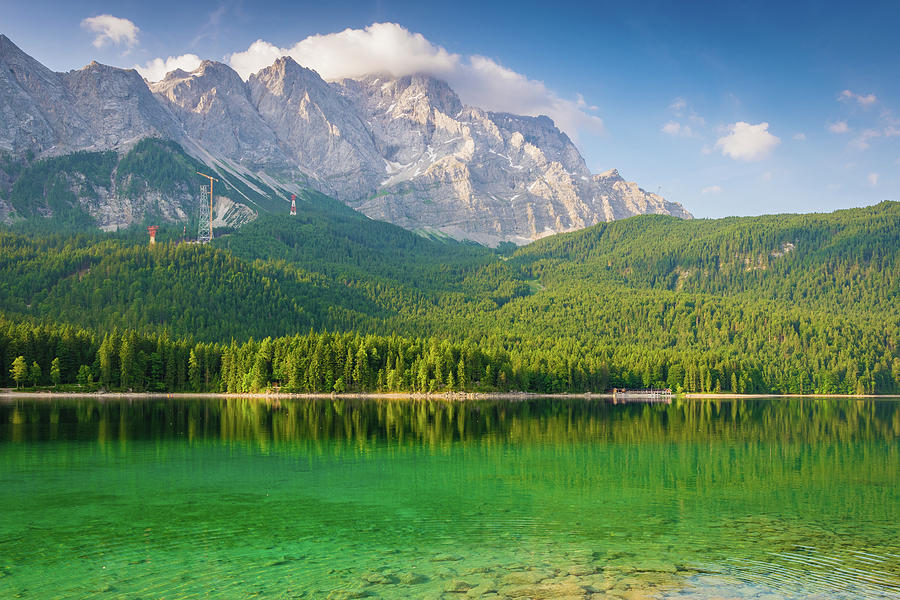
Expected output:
{"points": [[205, 233]]}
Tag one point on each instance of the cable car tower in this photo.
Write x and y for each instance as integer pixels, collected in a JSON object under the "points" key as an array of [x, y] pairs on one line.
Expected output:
{"points": [[205, 230], [293, 205]]}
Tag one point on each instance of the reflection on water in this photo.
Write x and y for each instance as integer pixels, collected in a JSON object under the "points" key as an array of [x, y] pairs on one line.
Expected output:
{"points": [[413, 498]]}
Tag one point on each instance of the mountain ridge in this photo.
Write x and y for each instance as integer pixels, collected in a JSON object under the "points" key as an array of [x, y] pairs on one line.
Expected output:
{"points": [[405, 150]]}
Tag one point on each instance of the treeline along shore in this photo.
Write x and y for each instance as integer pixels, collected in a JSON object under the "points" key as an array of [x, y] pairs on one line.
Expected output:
{"points": [[74, 359]]}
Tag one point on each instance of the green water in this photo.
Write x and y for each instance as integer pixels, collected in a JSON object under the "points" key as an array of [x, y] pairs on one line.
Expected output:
{"points": [[213, 498]]}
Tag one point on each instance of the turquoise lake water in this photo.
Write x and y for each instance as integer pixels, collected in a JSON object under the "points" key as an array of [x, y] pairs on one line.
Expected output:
{"points": [[542, 498]]}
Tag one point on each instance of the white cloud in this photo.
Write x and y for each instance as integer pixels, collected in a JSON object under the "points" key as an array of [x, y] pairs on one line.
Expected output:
{"points": [[873, 179], [675, 128], [258, 56], [379, 48], [767, 176], [110, 29], [838, 127], [394, 50], [800, 137], [711, 189], [864, 101], [748, 142], [484, 83], [156, 69]]}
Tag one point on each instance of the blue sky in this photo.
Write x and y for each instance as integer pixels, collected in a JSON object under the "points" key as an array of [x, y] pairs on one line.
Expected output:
{"points": [[728, 108]]}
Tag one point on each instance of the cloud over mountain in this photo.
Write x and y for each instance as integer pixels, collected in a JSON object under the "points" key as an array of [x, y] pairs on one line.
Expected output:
{"points": [[156, 69], [389, 48]]}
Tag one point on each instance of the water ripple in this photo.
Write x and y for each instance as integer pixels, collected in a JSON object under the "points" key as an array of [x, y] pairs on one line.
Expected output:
{"points": [[806, 571]]}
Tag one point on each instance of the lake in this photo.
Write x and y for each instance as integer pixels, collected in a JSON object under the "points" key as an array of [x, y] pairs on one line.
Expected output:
{"points": [[538, 498]]}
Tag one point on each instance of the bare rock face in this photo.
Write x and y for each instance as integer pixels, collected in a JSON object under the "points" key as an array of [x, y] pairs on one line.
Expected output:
{"points": [[213, 105], [636, 201], [34, 104], [404, 150], [117, 106], [478, 175], [95, 108], [327, 140]]}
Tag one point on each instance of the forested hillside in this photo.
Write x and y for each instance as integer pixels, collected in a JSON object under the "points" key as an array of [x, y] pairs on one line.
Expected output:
{"points": [[334, 301], [154, 182]]}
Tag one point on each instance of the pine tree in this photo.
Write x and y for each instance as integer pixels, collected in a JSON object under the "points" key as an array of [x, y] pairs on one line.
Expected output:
{"points": [[194, 375], [19, 370], [34, 373], [85, 377], [106, 354], [127, 361], [55, 373]]}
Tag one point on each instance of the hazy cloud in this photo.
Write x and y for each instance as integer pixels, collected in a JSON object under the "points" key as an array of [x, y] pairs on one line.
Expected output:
{"points": [[677, 129], [678, 105], [748, 142], [156, 69], [211, 26], [394, 50], [838, 127], [800, 137], [110, 29], [861, 142], [873, 179], [863, 100], [711, 189]]}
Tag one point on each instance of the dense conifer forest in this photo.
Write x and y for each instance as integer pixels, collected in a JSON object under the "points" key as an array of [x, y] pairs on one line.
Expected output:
{"points": [[330, 301]]}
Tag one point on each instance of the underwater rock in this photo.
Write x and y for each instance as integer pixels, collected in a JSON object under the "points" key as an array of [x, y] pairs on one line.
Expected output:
{"points": [[411, 578], [458, 586], [524, 577]]}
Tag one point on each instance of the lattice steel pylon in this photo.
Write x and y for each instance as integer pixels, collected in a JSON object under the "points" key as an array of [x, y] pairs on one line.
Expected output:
{"points": [[204, 233], [206, 236]]}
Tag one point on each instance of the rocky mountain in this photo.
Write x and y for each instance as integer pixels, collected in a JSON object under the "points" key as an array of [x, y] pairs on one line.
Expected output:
{"points": [[95, 108], [404, 150], [215, 110]]}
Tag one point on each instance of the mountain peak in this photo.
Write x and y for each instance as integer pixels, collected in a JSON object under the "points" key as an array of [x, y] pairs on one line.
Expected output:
{"points": [[399, 149], [7, 46]]}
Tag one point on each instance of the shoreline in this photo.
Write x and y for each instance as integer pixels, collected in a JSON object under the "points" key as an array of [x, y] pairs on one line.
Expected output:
{"points": [[7, 393]]}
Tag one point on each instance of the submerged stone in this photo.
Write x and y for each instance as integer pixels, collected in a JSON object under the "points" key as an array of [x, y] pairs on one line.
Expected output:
{"points": [[411, 578], [524, 577], [446, 558], [458, 586], [374, 577], [349, 594]]}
